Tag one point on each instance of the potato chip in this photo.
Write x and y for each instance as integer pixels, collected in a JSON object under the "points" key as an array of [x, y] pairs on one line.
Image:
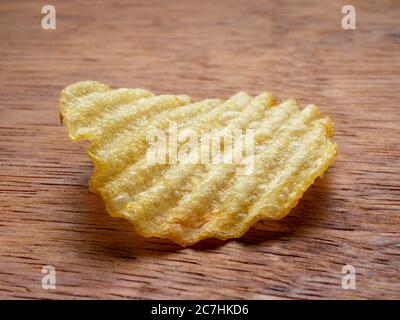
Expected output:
{"points": [[264, 158]]}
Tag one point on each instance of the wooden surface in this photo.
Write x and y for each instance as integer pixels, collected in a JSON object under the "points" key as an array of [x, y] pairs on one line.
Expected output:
{"points": [[291, 48]]}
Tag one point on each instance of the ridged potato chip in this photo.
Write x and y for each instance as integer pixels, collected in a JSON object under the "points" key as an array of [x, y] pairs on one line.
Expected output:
{"points": [[190, 201]]}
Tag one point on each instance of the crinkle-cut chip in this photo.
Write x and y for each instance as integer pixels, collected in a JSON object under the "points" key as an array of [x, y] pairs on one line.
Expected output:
{"points": [[190, 202]]}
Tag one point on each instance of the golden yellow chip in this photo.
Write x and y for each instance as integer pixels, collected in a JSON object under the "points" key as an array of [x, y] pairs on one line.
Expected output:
{"points": [[186, 170]]}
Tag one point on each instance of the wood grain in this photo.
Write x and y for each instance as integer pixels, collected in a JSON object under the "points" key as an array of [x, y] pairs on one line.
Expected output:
{"points": [[215, 48]]}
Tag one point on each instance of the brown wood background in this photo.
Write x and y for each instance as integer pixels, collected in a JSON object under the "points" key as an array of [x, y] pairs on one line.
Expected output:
{"points": [[215, 48]]}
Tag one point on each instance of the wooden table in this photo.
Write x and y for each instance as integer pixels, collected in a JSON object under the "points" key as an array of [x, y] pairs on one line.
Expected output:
{"points": [[291, 48]]}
